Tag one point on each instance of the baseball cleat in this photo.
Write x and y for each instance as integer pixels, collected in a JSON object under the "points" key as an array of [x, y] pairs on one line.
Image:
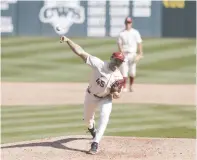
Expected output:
{"points": [[94, 148], [92, 131]]}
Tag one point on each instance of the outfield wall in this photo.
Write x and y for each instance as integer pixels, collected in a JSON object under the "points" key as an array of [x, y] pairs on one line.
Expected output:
{"points": [[98, 18]]}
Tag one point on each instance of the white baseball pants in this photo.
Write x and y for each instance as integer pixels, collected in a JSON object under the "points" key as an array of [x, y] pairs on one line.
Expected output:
{"points": [[128, 67], [91, 103]]}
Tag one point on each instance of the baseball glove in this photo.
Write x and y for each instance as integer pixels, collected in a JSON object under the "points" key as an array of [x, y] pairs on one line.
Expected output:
{"points": [[138, 57], [115, 91], [116, 87]]}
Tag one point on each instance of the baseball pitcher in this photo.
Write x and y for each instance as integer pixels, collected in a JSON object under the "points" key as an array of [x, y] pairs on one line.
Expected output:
{"points": [[105, 84], [129, 41]]}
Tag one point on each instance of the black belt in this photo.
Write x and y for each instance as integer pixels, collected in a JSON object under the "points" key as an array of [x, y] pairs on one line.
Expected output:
{"points": [[93, 94]]}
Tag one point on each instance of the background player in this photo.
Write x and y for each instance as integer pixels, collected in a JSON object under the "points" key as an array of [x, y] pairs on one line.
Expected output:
{"points": [[105, 84], [129, 41]]}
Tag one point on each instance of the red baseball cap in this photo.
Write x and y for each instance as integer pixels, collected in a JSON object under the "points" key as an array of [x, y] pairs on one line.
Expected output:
{"points": [[128, 20], [118, 55]]}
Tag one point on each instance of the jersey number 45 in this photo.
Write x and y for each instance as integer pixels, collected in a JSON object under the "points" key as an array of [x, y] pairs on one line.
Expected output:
{"points": [[100, 82]]}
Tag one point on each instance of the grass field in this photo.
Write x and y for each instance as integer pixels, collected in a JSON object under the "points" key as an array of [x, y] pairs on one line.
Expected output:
{"points": [[40, 59], [34, 122], [45, 59]]}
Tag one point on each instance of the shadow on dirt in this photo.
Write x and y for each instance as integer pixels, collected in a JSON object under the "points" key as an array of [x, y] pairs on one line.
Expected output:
{"points": [[55, 144]]}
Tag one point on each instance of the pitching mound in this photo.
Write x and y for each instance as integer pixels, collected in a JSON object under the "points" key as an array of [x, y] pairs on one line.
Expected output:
{"points": [[111, 148]]}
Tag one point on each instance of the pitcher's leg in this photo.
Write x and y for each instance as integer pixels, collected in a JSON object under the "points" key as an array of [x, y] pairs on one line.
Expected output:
{"points": [[89, 111], [105, 111]]}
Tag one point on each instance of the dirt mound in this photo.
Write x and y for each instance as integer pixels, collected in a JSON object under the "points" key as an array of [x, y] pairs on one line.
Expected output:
{"points": [[111, 148]]}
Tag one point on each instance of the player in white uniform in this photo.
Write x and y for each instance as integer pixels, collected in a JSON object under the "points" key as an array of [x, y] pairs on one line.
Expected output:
{"points": [[105, 78], [129, 41]]}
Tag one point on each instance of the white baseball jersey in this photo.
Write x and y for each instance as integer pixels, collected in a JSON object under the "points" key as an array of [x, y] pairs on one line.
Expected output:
{"points": [[129, 40], [102, 77]]}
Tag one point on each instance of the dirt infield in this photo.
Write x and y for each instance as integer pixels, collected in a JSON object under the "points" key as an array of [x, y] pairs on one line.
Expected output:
{"points": [[111, 148], [73, 93]]}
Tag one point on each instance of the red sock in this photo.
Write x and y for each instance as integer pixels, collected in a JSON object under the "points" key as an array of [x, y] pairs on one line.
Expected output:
{"points": [[125, 82], [131, 80]]}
